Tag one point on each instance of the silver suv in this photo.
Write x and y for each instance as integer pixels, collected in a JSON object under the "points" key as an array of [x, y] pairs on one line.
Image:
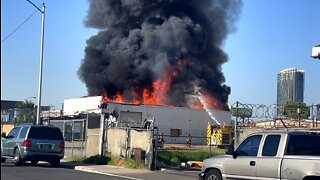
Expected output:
{"points": [[33, 143]]}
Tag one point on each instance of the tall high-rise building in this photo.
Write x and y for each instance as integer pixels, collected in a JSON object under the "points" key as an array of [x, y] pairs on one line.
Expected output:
{"points": [[290, 86]]}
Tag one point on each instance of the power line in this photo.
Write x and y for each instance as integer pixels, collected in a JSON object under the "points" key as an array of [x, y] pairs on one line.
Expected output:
{"points": [[35, 6], [18, 27]]}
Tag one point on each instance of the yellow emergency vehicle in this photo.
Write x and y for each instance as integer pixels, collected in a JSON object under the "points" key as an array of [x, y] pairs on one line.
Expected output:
{"points": [[219, 135]]}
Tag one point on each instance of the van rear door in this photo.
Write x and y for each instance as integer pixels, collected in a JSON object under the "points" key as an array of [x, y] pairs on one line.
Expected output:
{"points": [[45, 139]]}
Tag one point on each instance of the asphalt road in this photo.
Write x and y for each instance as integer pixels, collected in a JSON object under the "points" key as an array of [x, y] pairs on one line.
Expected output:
{"points": [[43, 171]]}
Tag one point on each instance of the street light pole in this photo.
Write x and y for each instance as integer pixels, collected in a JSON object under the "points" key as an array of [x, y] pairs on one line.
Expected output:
{"points": [[41, 61], [40, 71]]}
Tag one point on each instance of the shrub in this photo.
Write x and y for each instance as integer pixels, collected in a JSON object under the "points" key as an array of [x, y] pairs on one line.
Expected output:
{"points": [[175, 157], [75, 158], [97, 159], [175, 161], [130, 163]]}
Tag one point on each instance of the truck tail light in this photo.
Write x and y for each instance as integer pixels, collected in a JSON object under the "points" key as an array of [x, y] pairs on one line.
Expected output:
{"points": [[26, 143], [61, 145]]}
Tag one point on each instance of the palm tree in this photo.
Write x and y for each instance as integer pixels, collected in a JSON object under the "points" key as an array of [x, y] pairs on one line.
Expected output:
{"points": [[26, 112]]}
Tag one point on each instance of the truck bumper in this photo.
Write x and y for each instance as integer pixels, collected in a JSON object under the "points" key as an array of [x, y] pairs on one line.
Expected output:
{"points": [[201, 176]]}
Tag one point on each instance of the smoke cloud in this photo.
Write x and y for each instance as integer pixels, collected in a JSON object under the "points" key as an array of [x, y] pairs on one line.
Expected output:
{"points": [[143, 40]]}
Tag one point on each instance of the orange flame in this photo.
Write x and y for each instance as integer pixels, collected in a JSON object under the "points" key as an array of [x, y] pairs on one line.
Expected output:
{"points": [[200, 105], [211, 101], [160, 89], [154, 96], [157, 94]]}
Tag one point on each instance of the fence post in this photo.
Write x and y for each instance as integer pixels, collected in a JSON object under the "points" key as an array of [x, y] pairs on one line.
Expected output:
{"points": [[82, 137], [210, 145], [101, 133], [155, 154], [72, 131], [127, 143], [235, 125]]}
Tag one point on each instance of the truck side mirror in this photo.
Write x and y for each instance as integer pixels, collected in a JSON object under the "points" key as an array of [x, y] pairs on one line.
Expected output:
{"points": [[235, 154], [230, 150]]}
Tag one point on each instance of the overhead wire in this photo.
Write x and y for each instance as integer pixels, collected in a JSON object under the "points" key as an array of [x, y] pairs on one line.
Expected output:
{"points": [[9, 35]]}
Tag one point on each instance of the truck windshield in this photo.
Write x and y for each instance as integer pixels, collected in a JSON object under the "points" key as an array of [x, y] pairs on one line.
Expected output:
{"points": [[308, 144]]}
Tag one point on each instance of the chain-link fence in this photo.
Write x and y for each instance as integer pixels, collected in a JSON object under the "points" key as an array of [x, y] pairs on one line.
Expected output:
{"points": [[251, 118], [291, 114], [74, 133]]}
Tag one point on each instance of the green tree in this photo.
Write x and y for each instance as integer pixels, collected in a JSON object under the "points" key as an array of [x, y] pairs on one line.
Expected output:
{"points": [[26, 112]]}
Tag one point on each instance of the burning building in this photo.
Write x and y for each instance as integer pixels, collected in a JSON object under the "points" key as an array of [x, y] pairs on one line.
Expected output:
{"points": [[159, 52], [161, 56], [174, 122]]}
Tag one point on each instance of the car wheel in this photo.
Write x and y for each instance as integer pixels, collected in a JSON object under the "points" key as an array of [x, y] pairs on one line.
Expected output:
{"points": [[34, 162], [3, 159], [17, 157], [213, 174], [55, 163]]}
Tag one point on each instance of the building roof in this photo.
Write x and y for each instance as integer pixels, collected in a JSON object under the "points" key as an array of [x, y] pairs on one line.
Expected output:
{"points": [[291, 70], [7, 104]]}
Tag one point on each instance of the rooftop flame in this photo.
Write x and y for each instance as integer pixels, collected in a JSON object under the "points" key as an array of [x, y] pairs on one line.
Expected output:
{"points": [[154, 96], [158, 93]]}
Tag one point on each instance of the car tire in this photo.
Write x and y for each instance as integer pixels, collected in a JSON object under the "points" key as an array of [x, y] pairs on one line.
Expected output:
{"points": [[17, 157], [34, 162], [55, 163], [213, 174]]}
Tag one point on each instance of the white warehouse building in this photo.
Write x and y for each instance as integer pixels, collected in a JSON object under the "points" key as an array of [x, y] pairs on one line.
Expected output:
{"points": [[174, 122]]}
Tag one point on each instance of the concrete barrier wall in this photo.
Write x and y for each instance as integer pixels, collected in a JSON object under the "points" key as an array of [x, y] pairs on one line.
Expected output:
{"points": [[122, 142], [140, 139], [92, 145], [116, 142], [75, 148]]}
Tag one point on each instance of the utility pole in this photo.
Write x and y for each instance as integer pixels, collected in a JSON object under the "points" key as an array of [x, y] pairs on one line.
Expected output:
{"points": [[41, 64], [41, 60], [235, 124]]}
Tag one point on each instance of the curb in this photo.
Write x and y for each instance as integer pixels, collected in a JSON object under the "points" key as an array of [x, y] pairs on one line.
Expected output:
{"points": [[82, 168], [181, 172], [91, 169]]}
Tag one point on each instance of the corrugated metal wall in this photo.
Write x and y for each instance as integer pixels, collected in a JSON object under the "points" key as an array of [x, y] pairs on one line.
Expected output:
{"points": [[193, 121]]}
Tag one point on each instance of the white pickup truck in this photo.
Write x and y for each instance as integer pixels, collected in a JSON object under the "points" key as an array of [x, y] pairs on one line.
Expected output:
{"points": [[268, 155]]}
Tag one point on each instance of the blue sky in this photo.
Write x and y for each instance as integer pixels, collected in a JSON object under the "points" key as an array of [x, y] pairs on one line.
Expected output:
{"points": [[271, 35]]}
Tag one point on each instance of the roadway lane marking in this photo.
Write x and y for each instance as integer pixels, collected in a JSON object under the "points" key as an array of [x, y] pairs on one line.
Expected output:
{"points": [[108, 174]]}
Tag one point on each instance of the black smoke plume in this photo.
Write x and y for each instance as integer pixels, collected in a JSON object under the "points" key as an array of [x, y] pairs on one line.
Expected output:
{"points": [[142, 40]]}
